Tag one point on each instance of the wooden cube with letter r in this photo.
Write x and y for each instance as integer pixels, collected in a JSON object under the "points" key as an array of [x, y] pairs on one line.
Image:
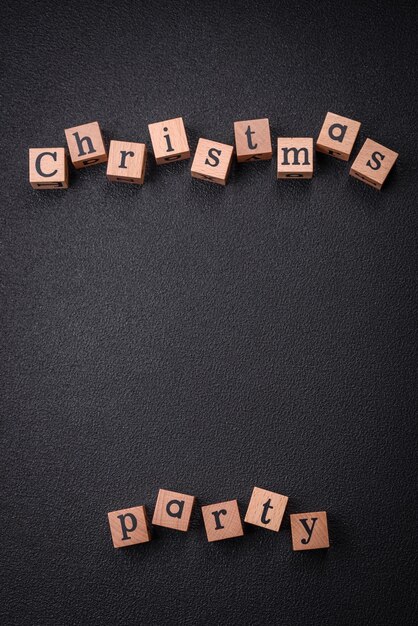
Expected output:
{"points": [[127, 161]]}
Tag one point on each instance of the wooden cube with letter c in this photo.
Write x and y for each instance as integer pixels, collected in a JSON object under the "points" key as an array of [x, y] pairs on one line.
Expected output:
{"points": [[48, 168], [86, 145], [212, 161], [337, 136], [373, 163], [129, 526], [173, 510], [169, 141], [127, 161], [309, 531], [222, 520]]}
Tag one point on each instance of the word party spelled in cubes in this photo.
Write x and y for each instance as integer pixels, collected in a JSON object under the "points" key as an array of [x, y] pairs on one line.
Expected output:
{"points": [[221, 520], [212, 161]]}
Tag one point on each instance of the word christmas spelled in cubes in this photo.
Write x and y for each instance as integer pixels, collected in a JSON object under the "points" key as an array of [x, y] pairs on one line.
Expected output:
{"points": [[222, 520], [48, 168], [169, 141]]}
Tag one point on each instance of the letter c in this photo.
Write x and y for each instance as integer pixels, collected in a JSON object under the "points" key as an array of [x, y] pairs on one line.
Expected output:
{"points": [[38, 164]]}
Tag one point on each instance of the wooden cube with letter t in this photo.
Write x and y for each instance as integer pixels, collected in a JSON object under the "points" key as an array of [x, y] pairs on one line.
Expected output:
{"points": [[48, 168], [373, 163], [169, 141], [86, 145], [337, 136], [253, 140], [173, 510], [309, 531], [295, 157], [126, 162], [266, 509], [129, 526], [212, 161]]}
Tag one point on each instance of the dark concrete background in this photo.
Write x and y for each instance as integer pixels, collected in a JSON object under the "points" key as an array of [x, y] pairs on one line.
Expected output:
{"points": [[208, 339]]}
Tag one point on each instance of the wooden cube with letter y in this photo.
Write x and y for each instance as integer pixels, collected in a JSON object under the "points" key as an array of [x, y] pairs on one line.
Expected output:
{"points": [[48, 168], [309, 531], [173, 510], [222, 520], [373, 163], [212, 161], [129, 526], [295, 157], [127, 161]]}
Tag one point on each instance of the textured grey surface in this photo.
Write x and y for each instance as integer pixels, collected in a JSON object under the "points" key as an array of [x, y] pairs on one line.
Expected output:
{"points": [[201, 338]]}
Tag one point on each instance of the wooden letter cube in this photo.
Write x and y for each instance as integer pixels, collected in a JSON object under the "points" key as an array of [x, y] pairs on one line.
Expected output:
{"points": [[169, 141], [294, 157], [173, 510], [337, 136], [48, 168], [129, 526], [212, 161], [86, 145], [309, 531], [373, 163], [222, 520], [266, 509], [252, 140], [127, 162]]}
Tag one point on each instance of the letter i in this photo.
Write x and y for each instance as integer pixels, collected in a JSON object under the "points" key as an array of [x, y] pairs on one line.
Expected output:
{"points": [[167, 138]]}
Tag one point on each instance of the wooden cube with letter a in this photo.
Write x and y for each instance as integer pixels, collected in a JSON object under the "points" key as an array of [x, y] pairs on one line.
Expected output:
{"points": [[337, 136], [169, 141], [309, 531], [129, 526], [212, 161], [295, 157], [48, 168], [222, 520], [373, 163], [266, 509], [253, 140], [86, 145], [173, 510], [127, 161]]}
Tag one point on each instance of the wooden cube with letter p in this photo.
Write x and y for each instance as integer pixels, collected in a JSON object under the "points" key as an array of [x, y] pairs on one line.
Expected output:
{"points": [[48, 168], [127, 161], [173, 510], [129, 526], [212, 161], [169, 141], [266, 509], [373, 163], [295, 157], [86, 145], [337, 136], [222, 520], [253, 140], [309, 531]]}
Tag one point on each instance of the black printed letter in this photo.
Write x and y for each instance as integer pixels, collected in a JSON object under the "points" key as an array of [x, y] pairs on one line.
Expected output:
{"points": [[87, 139], [266, 507], [213, 156], [250, 132], [216, 515], [125, 529], [341, 128], [304, 523], [177, 503], [38, 164], [378, 163], [125, 154]]}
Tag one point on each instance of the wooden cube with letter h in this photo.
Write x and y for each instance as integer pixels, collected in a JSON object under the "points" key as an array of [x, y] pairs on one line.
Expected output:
{"points": [[337, 136], [309, 531], [373, 163], [173, 510], [222, 520], [295, 157], [129, 526], [212, 161], [48, 168], [169, 141], [127, 161], [86, 145], [253, 140], [266, 509]]}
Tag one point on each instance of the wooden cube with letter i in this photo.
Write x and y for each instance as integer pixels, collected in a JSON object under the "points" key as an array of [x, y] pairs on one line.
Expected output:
{"points": [[169, 141]]}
